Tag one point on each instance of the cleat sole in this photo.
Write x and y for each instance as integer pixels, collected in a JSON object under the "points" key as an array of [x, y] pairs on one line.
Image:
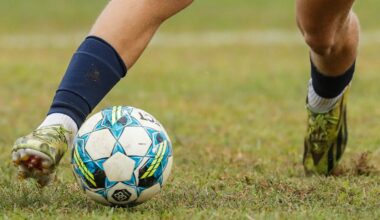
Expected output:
{"points": [[33, 164], [37, 154]]}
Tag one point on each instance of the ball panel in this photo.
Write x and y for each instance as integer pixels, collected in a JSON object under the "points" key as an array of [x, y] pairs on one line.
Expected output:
{"points": [[87, 171], [140, 165], [151, 172], [97, 197], [100, 144], [121, 194], [135, 141], [148, 193], [146, 119], [119, 167], [90, 124], [167, 170]]}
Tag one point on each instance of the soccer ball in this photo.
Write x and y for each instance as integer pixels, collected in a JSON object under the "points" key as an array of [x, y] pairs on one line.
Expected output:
{"points": [[122, 156]]}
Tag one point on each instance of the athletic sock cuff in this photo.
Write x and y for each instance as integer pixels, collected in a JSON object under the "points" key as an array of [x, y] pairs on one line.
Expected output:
{"points": [[330, 86], [94, 70], [72, 105]]}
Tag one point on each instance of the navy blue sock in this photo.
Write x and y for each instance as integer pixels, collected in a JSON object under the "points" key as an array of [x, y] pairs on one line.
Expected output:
{"points": [[93, 71], [330, 87]]}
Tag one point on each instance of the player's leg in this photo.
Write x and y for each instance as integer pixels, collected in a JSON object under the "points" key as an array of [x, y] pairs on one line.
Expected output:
{"points": [[117, 39], [331, 29], [128, 25]]}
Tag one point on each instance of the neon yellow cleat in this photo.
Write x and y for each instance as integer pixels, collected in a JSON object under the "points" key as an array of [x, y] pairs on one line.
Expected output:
{"points": [[326, 139], [38, 154]]}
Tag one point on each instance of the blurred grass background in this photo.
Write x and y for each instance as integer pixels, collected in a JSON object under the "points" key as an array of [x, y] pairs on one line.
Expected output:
{"points": [[234, 111], [77, 15]]}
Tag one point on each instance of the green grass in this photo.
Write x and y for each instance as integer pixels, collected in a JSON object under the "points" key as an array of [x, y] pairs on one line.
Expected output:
{"points": [[235, 114]]}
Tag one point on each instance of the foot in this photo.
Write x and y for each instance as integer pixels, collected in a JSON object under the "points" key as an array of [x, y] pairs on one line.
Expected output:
{"points": [[326, 138], [37, 154]]}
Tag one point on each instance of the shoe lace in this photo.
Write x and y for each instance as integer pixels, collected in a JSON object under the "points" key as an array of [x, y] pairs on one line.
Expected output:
{"points": [[319, 125]]}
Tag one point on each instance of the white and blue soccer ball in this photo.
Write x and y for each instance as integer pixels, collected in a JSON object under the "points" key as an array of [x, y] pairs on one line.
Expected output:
{"points": [[122, 156]]}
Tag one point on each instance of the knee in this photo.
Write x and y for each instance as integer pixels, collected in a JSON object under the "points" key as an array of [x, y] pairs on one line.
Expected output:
{"points": [[321, 44], [329, 34], [320, 38]]}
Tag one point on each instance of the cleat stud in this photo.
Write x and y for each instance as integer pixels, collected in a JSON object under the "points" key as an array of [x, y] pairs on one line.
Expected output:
{"points": [[25, 158], [46, 164], [22, 153], [15, 156], [34, 161]]}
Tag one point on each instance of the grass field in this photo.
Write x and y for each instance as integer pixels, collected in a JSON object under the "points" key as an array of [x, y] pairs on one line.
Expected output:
{"points": [[228, 81]]}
